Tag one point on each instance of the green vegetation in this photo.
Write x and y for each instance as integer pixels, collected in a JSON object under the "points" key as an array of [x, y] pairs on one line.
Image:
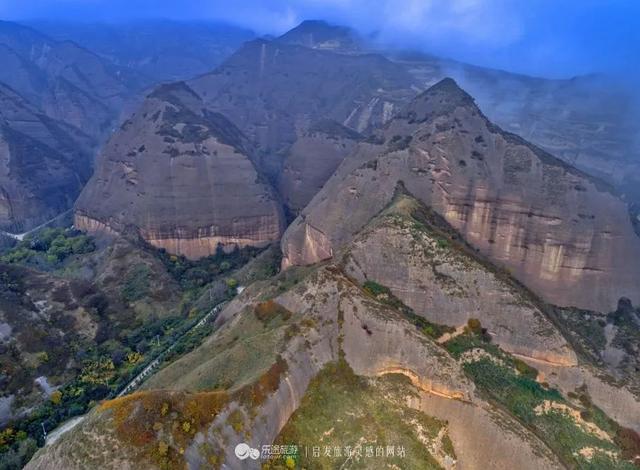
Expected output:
{"points": [[48, 248], [377, 290], [136, 284], [384, 294], [193, 274], [362, 416], [124, 303], [567, 429]]}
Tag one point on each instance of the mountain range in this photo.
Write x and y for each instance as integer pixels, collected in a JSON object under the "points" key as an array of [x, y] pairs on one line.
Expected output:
{"points": [[356, 256]]}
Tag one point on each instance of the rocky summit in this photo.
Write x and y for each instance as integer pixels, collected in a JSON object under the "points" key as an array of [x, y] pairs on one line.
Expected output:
{"points": [[561, 232], [182, 178]]}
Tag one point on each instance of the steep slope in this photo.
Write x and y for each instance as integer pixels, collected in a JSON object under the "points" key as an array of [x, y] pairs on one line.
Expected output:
{"points": [[588, 121], [43, 164], [266, 356], [315, 360], [67, 82], [272, 91], [557, 230], [182, 178], [160, 49], [312, 159], [440, 280]]}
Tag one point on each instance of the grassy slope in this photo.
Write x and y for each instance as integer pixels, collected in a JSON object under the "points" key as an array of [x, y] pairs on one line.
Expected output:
{"points": [[342, 409]]}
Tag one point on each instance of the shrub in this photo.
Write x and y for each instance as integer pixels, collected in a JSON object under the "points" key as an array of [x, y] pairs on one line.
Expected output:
{"points": [[375, 289], [525, 369], [269, 309], [136, 284], [56, 397]]}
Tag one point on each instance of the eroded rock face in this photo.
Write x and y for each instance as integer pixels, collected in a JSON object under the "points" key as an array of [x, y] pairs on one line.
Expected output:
{"points": [[556, 229], [311, 161], [182, 178], [43, 164], [449, 286]]}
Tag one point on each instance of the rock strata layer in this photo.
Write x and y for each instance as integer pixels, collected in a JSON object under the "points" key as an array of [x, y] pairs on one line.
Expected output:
{"points": [[560, 232]]}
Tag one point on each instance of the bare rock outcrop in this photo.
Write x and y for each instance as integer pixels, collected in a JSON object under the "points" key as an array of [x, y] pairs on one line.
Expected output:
{"points": [[182, 178], [441, 282], [560, 232]]}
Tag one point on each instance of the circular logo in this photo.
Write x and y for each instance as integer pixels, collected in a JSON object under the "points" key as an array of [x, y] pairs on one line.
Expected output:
{"points": [[242, 451], [254, 454]]}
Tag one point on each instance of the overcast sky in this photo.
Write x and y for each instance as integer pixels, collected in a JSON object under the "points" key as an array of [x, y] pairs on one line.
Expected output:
{"points": [[559, 38]]}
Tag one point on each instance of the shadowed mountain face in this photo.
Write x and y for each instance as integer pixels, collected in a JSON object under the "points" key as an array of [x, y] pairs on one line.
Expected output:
{"points": [[160, 49], [67, 82], [560, 232], [312, 159], [43, 164], [182, 178], [274, 91]]}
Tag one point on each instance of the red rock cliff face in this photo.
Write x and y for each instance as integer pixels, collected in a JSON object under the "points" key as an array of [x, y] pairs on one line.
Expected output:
{"points": [[554, 228], [182, 179]]}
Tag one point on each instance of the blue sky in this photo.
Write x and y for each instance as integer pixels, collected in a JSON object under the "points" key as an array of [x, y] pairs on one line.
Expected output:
{"points": [[557, 38]]}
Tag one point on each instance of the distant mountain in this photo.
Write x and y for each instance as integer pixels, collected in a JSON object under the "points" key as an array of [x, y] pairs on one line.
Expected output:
{"points": [[318, 34], [273, 91], [160, 49], [181, 177], [67, 82], [559, 231], [44, 163], [590, 122]]}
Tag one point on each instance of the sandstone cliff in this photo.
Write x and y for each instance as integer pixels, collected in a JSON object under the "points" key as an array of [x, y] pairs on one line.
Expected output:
{"points": [[182, 178], [557, 230], [292, 356], [440, 280]]}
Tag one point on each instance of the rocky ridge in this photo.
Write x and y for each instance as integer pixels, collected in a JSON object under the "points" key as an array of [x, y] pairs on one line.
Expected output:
{"points": [[559, 231]]}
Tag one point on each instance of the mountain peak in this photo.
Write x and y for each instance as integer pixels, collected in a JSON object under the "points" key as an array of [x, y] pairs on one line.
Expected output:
{"points": [[318, 34], [177, 93], [442, 98], [446, 91]]}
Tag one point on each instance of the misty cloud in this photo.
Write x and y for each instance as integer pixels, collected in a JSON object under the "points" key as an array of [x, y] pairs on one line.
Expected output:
{"points": [[538, 37]]}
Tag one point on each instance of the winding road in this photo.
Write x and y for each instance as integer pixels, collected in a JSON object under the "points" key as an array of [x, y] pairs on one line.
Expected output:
{"points": [[21, 236]]}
